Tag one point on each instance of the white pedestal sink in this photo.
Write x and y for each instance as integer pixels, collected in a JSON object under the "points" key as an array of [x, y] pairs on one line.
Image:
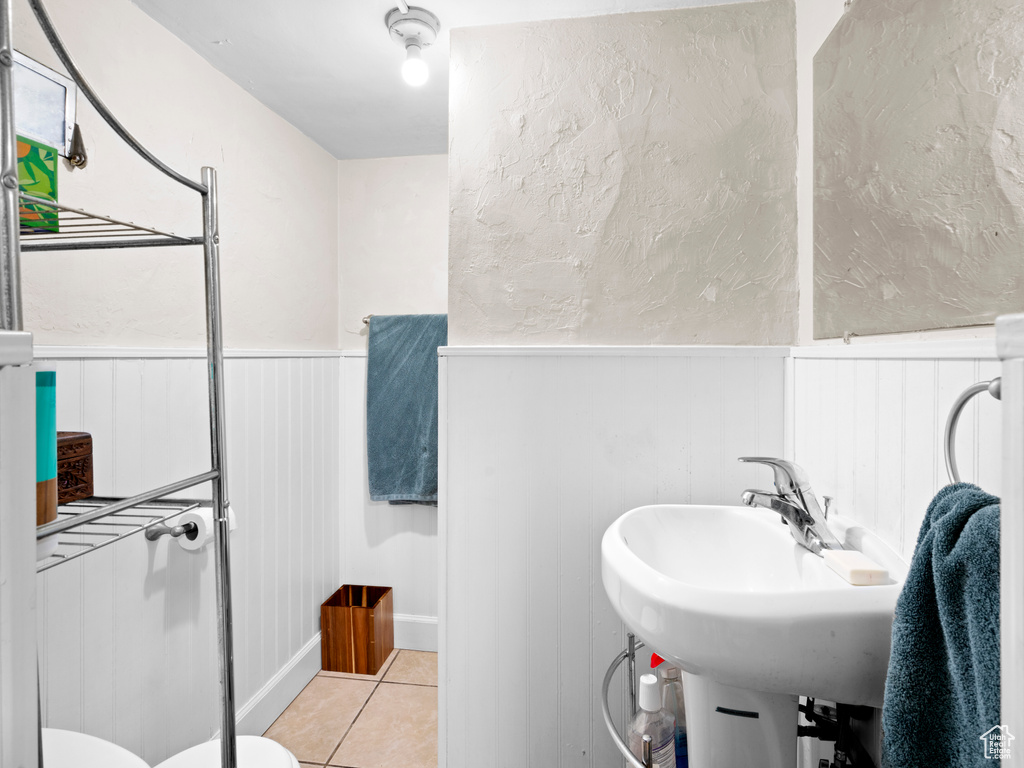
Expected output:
{"points": [[753, 619]]}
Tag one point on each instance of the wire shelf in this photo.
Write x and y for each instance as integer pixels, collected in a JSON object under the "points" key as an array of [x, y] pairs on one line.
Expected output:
{"points": [[57, 227], [98, 532]]}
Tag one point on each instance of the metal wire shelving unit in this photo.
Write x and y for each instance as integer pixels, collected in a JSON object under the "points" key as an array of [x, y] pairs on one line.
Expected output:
{"points": [[99, 522], [71, 229]]}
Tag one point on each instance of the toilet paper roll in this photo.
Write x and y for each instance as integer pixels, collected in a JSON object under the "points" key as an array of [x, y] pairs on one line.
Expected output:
{"points": [[202, 518]]}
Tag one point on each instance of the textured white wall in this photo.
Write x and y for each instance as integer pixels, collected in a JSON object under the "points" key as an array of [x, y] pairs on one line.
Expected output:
{"points": [[278, 199], [625, 179], [815, 20], [128, 634], [919, 206], [541, 449], [392, 240]]}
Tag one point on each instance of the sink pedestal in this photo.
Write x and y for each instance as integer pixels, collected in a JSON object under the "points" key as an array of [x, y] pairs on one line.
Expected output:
{"points": [[729, 727]]}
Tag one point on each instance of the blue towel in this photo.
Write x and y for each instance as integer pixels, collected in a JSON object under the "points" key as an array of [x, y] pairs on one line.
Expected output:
{"points": [[942, 690], [401, 406]]}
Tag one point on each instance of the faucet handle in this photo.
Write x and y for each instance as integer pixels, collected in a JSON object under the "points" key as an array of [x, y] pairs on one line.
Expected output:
{"points": [[789, 477], [830, 505]]}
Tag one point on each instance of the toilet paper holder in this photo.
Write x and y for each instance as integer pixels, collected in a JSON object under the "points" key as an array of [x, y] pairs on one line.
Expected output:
{"points": [[196, 534], [163, 529]]}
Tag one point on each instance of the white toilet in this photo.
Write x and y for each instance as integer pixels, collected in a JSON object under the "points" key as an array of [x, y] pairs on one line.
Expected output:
{"points": [[67, 749], [253, 752]]}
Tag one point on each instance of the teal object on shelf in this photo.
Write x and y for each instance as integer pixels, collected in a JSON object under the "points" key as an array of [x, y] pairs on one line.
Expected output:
{"points": [[46, 447], [46, 426]]}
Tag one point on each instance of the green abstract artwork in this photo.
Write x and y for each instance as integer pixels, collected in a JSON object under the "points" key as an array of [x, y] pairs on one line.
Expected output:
{"points": [[37, 176]]}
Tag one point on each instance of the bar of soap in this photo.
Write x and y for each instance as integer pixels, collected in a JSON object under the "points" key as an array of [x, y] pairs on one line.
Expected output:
{"points": [[856, 567]]}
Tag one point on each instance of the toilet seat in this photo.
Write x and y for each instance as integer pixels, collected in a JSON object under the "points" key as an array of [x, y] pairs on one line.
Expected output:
{"points": [[68, 749], [253, 752]]}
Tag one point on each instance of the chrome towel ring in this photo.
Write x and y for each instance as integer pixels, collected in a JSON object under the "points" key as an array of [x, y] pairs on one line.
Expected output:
{"points": [[994, 388]]}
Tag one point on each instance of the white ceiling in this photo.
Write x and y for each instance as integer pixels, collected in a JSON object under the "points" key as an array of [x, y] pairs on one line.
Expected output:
{"points": [[330, 68]]}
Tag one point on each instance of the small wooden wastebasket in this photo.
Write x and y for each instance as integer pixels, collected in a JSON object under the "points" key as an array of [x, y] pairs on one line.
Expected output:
{"points": [[357, 629]]}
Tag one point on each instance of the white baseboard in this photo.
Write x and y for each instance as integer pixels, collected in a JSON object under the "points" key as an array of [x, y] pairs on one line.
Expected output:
{"points": [[416, 633], [272, 699]]}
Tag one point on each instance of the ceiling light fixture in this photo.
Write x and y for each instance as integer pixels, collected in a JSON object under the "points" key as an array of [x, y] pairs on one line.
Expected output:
{"points": [[414, 29]]}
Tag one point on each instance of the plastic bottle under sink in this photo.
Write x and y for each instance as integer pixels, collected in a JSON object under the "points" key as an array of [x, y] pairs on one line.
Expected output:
{"points": [[672, 700], [651, 719]]}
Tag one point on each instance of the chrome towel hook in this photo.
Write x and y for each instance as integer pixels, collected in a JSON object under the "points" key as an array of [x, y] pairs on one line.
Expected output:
{"points": [[994, 388]]}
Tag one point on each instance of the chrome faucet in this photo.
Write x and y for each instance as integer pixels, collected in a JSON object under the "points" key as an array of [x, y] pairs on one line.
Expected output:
{"points": [[795, 502]]}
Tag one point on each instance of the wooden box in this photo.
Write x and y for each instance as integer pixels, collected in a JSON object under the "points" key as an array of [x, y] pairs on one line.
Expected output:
{"points": [[357, 629], [74, 466]]}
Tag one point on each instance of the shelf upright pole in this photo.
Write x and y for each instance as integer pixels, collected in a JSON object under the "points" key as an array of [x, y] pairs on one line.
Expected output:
{"points": [[221, 529], [10, 257]]}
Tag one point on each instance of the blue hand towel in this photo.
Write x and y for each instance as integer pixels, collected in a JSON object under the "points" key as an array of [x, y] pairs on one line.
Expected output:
{"points": [[942, 688], [401, 406]]}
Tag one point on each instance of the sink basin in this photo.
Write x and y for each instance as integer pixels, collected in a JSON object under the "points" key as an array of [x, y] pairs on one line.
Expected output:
{"points": [[727, 594]]}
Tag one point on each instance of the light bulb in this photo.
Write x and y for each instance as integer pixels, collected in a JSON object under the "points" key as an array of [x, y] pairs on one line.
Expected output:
{"points": [[414, 68]]}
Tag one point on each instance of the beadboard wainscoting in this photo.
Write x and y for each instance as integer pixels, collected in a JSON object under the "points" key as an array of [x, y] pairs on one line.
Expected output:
{"points": [[541, 449], [867, 423], [127, 634], [384, 544]]}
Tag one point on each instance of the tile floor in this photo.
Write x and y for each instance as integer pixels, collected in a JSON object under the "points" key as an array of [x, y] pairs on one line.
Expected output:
{"points": [[359, 721]]}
